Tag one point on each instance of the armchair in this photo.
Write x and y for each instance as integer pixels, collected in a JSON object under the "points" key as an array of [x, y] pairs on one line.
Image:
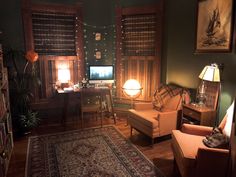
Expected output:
{"points": [[159, 121], [193, 158]]}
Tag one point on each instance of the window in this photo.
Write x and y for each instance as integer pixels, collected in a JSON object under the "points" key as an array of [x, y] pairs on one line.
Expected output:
{"points": [[139, 47], [54, 31]]}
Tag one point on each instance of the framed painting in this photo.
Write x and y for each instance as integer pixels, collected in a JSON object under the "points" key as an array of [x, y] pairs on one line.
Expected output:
{"points": [[214, 26]]}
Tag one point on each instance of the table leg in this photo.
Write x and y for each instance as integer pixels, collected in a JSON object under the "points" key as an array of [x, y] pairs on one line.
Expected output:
{"points": [[65, 109]]}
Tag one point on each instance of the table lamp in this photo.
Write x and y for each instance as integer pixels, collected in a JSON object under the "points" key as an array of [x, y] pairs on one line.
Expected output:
{"points": [[132, 89], [209, 73], [64, 77]]}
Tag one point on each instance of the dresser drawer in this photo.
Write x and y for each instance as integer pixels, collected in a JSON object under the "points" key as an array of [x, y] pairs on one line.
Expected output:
{"points": [[191, 113]]}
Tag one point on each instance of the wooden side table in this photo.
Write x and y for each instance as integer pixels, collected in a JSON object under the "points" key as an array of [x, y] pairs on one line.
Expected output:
{"points": [[203, 115]]}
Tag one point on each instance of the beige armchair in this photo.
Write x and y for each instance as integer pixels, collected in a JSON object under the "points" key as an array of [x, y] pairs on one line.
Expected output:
{"points": [[155, 123], [193, 158]]}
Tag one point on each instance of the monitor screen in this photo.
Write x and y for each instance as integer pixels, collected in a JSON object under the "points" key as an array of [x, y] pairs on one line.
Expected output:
{"points": [[101, 74]]}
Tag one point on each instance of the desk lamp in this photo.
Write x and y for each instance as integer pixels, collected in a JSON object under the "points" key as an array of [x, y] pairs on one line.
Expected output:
{"points": [[132, 89], [64, 77]]}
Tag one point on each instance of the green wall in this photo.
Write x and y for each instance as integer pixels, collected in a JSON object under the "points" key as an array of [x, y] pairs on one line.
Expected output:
{"points": [[183, 64], [180, 63]]}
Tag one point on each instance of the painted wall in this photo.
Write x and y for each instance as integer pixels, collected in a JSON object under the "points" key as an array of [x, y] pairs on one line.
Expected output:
{"points": [[180, 64], [183, 65]]}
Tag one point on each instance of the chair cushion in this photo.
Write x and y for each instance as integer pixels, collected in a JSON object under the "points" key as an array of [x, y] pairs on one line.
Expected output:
{"points": [[147, 117], [187, 146]]}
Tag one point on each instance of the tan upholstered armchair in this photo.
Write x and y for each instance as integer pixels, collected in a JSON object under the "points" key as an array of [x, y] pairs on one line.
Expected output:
{"points": [[193, 158], [159, 121]]}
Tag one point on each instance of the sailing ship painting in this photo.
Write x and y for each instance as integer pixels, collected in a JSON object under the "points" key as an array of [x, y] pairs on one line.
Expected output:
{"points": [[214, 25]]}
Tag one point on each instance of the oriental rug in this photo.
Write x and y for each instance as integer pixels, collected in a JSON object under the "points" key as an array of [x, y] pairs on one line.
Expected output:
{"points": [[91, 152]]}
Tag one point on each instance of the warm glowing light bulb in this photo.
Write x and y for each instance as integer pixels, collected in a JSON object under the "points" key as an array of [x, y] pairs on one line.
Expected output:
{"points": [[132, 87], [64, 75]]}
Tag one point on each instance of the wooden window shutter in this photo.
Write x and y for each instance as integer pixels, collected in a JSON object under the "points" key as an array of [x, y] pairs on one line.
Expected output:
{"points": [[54, 33], [139, 36]]}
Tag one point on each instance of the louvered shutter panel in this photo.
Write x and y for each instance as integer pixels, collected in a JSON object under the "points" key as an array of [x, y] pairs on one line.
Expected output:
{"points": [[139, 48], [54, 33], [138, 35]]}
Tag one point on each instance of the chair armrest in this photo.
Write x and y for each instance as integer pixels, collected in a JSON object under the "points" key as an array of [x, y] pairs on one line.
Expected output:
{"points": [[143, 106], [167, 121], [212, 162], [196, 129]]}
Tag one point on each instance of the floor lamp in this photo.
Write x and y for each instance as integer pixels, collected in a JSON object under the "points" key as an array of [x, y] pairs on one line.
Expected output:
{"points": [[132, 89], [209, 73]]}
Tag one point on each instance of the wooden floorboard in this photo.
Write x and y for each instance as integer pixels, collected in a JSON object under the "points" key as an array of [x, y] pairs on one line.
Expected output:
{"points": [[160, 154]]}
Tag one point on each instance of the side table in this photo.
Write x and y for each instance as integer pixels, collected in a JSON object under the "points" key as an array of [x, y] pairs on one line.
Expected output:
{"points": [[202, 115]]}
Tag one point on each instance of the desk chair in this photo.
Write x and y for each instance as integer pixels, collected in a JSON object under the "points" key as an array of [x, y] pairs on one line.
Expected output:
{"points": [[90, 102]]}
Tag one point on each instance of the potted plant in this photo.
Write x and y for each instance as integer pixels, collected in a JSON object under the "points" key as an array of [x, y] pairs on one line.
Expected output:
{"points": [[23, 79]]}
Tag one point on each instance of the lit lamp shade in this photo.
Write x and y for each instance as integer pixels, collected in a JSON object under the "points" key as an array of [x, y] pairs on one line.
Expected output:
{"points": [[64, 75], [132, 87], [210, 73]]}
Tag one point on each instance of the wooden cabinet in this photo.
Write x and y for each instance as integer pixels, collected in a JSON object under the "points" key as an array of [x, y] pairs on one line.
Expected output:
{"points": [[6, 134], [198, 115]]}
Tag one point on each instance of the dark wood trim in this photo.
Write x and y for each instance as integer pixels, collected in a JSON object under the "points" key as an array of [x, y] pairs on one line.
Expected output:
{"points": [[27, 24], [142, 9], [63, 8], [118, 49]]}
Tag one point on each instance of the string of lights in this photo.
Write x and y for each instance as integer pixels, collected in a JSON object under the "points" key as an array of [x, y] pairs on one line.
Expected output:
{"points": [[106, 45]]}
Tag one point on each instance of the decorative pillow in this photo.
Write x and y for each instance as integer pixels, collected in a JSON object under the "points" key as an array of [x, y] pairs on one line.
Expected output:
{"points": [[216, 139], [163, 94]]}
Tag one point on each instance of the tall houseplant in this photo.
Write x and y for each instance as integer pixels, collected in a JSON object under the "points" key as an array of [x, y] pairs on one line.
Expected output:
{"points": [[23, 80]]}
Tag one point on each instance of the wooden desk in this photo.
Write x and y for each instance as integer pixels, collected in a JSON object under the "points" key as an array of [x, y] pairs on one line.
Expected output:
{"points": [[100, 91], [205, 116]]}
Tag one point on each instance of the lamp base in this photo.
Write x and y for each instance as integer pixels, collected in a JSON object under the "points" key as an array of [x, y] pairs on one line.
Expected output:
{"points": [[201, 100], [64, 85]]}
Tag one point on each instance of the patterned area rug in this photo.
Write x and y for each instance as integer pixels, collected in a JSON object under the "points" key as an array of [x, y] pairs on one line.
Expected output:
{"points": [[89, 153]]}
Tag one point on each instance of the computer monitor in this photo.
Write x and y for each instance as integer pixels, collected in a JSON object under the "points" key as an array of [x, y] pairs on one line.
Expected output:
{"points": [[101, 74]]}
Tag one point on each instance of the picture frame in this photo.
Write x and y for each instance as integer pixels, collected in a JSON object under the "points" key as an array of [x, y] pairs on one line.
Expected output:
{"points": [[98, 36], [214, 26], [98, 55]]}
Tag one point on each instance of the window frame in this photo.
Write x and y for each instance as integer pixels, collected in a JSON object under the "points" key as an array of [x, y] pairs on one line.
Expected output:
{"points": [[27, 9]]}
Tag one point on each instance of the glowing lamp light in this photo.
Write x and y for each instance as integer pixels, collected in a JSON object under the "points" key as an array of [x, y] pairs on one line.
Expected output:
{"points": [[64, 75], [210, 73], [132, 87]]}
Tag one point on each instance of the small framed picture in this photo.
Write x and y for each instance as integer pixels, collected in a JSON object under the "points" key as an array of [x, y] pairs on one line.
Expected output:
{"points": [[98, 55], [98, 36]]}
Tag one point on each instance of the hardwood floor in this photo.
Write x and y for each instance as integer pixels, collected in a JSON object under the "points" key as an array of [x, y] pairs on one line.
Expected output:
{"points": [[160, 154]]}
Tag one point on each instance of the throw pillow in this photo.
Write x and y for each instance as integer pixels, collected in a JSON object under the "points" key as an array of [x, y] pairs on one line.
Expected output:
{"points": [[163, 94]]}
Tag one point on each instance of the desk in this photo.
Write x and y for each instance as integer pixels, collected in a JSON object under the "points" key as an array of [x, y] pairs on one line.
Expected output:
{"points": [[204, 115], [102, 91]]}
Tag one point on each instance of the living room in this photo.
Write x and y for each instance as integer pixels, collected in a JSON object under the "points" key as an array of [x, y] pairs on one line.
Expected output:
{"points": [[99, 42]]}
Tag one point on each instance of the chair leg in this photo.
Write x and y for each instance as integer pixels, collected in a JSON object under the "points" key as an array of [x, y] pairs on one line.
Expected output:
{"points": [[101, 118], [152, 142], [82, 119], [131, 130], [114, 117]]}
